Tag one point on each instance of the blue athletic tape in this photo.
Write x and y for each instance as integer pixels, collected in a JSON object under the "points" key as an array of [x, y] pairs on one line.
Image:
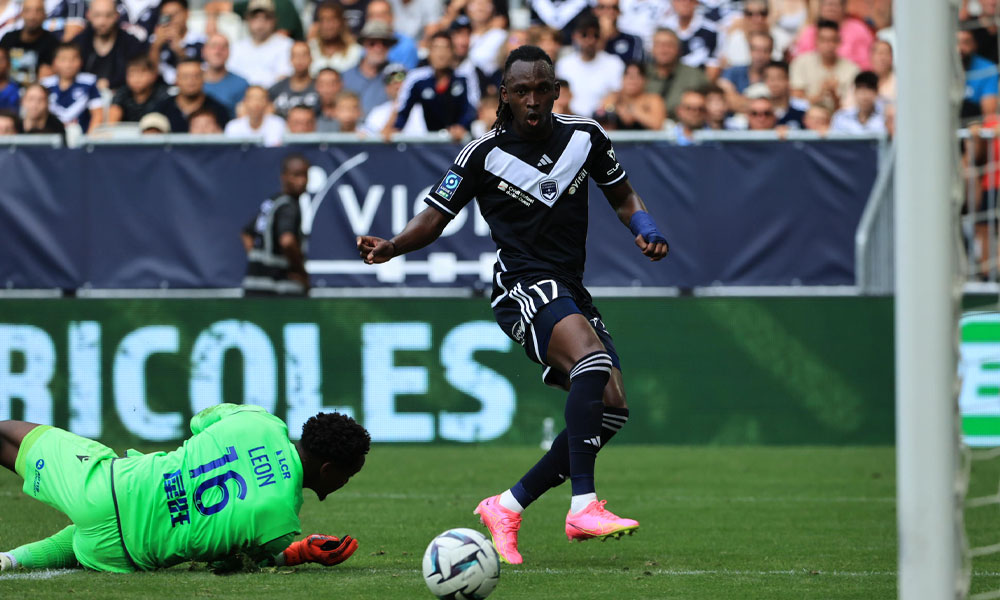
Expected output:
{"points": [[642, 224]]}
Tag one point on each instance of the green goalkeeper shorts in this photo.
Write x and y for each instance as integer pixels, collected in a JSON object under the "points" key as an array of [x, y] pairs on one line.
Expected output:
{"points": [[72, 474]]}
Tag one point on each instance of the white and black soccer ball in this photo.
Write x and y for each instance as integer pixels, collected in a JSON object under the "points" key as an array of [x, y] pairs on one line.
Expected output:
{"points": [[461, 564]]}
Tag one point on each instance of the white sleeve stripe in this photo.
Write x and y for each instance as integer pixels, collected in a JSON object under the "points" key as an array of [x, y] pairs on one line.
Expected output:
{"points": [[466, 153], [616, 180], [582, 121], [439, 205]]}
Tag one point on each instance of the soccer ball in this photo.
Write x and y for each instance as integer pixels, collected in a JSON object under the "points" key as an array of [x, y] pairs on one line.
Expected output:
{"points": [[461, 564]]}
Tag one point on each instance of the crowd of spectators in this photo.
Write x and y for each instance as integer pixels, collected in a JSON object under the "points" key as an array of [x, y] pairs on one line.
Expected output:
{"points": [[376, 67]]}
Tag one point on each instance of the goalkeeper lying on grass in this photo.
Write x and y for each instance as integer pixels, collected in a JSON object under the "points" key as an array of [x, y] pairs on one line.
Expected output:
{"points": [[235, 487]]}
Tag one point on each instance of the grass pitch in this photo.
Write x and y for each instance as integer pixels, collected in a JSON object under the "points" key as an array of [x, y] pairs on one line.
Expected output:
{"points": [[721, 522]]}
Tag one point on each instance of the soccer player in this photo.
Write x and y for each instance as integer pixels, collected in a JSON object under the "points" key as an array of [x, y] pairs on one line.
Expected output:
{"points": [[529, 174], [233, 488]]}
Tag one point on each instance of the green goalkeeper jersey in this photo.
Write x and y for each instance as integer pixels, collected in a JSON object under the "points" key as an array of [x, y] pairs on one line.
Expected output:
{"points": [[235, 486]]}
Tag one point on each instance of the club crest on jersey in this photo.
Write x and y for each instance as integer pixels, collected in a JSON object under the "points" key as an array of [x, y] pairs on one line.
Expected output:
{"points": [[549, 189], [448, 186], [611, 154], [518, 331]]}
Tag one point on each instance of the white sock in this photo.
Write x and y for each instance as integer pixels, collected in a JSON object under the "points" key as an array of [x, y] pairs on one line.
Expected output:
{"points": [[13, 561], [580, 502], [508, 501]]}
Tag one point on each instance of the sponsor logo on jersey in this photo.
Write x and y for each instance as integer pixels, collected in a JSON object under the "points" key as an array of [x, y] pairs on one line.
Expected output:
{"points": [[37, 483], [580, 178], [515, 192], [518, 332], [549, 189], [448, 186], [82, 458], [613, 169]]}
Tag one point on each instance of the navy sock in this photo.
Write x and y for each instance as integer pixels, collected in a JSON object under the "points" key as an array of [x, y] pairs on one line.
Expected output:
{"points": [[584, 418], [553, 468]]}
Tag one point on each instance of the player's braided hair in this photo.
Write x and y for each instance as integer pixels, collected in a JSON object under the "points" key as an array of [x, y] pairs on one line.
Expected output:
{"points": [[527, 54], [335, 437]]}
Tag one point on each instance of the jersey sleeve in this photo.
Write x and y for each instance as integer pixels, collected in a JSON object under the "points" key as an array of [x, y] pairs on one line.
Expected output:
{"points": [[458, 186], [602, 163]]}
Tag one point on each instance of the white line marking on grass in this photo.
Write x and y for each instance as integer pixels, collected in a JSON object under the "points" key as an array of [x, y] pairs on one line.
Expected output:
{"points": [[46, 574], [691, 499]]}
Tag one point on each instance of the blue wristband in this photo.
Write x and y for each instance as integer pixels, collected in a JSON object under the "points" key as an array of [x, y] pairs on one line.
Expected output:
{"points": [[642, 224]]}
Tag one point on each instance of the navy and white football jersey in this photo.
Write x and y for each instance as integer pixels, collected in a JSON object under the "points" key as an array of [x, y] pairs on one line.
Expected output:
{"points": [[58, 13], [533, 193], [75, 102]]}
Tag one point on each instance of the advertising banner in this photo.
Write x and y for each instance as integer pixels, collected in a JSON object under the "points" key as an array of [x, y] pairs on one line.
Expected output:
{"points": [[747, 213], [696, 370]]}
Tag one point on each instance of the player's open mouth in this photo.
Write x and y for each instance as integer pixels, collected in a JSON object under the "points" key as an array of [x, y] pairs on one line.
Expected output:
{"points": [[532, 120]]}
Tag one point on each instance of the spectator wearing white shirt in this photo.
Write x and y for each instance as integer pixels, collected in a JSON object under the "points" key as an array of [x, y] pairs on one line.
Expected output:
{"points": [[258, 120], [866, 116], [334, 46], [592, 73], [486, 38], [263, 58], [413, 16], [643, 17]]}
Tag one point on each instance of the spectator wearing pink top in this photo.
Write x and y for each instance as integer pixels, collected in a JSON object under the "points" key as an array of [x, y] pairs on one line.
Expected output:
{"points": [[855, 37]]}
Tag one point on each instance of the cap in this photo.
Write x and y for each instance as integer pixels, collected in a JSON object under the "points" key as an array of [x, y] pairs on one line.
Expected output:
{"points": [[757, 90], [260, 6], [377, 30], [460, 22], [393, 72], [154, 120]]}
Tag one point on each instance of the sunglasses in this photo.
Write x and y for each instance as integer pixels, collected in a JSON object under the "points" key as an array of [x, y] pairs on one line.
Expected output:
{"points": [[694, 108], [371, 42], [761, 113]]}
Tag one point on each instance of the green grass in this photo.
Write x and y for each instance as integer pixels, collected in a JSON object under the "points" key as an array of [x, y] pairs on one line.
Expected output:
{"points": [[729, 522]]}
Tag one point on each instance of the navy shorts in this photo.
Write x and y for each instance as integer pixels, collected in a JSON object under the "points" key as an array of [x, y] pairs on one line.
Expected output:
{"points": [[529, 310]]}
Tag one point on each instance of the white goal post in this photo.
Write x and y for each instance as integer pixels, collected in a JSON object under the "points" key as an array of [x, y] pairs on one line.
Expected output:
{"points": [[927, 445]]}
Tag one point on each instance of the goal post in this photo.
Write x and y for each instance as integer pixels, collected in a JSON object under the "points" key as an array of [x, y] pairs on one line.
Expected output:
{"points": [[927, 445]]}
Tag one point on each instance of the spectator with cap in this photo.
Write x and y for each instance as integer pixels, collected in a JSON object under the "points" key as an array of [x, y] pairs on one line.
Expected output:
{"points": [[981, 79], [384, 115], [790, 111], [666, 75], [263, 57], [328, 85], [223, 86], [298, 88], [258, 120], [301, 119], [141, 94], [590, 71], [690, 117], [190, 97], [365, 79], [404, 48], [154, 123], [854, 41], [413, 17], [865, 116], [735, 80], [821, 76], [443, 95], [286, 15], [105, 48], [30, 48], [10, 91], [172, 40], [625, 46], [204, 122], [736, 49], [73, 96], [334, 46], [760, 110], [698, 36], [35, 114], [632, 107], [460, 32]]}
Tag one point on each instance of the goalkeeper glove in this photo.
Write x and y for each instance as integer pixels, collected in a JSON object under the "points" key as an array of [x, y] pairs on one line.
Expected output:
{"points": [[326, 550]]}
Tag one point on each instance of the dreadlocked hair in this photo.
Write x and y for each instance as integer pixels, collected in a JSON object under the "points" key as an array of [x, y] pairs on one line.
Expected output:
{"points": [[335, 437], [527, 54]]}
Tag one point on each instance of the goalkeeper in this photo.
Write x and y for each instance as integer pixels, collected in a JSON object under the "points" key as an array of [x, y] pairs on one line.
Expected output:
{"points": [[235, 487]]}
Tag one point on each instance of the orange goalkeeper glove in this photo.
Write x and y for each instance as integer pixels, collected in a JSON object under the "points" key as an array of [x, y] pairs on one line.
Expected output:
{"points": [[326, 550]]}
